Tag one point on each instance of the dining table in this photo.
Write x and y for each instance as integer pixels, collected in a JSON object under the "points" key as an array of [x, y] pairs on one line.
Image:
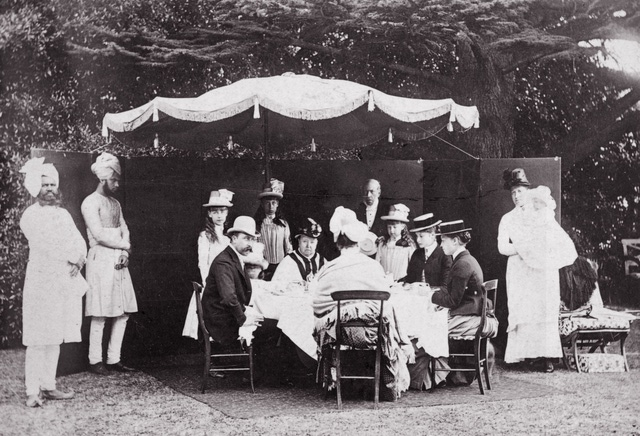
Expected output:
{"points": [[291, 305]]}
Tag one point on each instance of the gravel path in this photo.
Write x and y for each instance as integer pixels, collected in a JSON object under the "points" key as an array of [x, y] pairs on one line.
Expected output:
{"points": [[127, 404]]}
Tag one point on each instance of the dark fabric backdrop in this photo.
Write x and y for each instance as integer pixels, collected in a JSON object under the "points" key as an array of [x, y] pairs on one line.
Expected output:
{"points": [[162, 201]]}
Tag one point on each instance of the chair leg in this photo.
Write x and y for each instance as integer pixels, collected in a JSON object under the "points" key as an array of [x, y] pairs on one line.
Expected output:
{"points": [[574, 346], [487, 375], [623, 338], [479, 364], [376, 381], [251, 367], [338, 379], [207, 364]]}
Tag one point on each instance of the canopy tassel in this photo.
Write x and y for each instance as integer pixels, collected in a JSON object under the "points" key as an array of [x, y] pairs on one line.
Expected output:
{"points": [[256, 108], [390, 136], [156, 116], [230, 143], [372, 104], [156, 142], [452, 118], [313, 145], [105, 131]]}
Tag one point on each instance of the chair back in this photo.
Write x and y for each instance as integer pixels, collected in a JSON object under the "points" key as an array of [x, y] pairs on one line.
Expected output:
{"points": [[489, 291], [197, 288], [631, 252], [341, 296]]}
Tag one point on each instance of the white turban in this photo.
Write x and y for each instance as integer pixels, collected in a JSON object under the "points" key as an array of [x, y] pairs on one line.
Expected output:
{"points": [[34, 169], [344, 221], [105, 165]]}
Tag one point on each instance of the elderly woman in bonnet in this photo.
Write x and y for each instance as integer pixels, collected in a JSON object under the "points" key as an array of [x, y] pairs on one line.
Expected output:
{"points": [[353, 270], [537, 248]]}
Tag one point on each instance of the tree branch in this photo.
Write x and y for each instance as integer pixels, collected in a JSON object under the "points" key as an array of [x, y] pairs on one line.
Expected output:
{"points": [[600, 129]]}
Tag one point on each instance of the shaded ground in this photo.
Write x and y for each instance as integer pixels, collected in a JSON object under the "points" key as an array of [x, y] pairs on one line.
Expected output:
{"points": [[141, 404]]}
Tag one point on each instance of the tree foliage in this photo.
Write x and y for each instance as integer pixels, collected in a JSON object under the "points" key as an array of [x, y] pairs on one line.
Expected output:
{"points": [[65, 63]]}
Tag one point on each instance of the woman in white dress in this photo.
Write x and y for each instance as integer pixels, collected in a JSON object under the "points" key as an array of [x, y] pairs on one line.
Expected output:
{"points": [[537, 248]]}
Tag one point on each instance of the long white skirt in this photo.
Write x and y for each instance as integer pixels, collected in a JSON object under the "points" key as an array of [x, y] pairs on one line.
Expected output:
{"points": [[534, 307]]}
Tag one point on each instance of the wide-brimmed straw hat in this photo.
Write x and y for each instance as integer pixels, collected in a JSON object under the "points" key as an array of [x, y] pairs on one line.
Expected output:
{"points": [[515, 177], [309, 228], [397, 212], [424, 222], [220, 198], [453, 227], [244, 224], [274, 188]]}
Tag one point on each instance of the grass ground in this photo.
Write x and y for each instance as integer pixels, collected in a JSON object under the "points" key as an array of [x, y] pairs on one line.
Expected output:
{"points": [[126, 404]]}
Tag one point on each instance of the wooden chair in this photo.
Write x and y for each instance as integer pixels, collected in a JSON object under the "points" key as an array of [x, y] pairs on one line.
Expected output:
{"points": [[479, 341], [631, 252], [341, 346], [239, 361]]}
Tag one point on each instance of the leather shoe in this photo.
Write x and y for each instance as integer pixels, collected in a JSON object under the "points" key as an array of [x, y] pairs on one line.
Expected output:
{"points": [[98, 368], [34, 401], [55, 394], [119, 367]]}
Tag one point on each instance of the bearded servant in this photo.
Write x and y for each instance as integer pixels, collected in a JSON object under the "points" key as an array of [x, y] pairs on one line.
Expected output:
{"points": [[111, 293], [53, 286]]}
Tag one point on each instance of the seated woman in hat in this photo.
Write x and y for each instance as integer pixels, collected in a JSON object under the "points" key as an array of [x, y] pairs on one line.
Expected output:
{"points": [[304, 263], [274, 229], [397, 246], [462, 294], [352, 270], [428, 263]]}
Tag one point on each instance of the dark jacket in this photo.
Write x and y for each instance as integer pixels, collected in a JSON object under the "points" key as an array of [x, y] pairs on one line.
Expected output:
{"points": [[379, 227], [436, 268], [463, 293], [227, 292]]}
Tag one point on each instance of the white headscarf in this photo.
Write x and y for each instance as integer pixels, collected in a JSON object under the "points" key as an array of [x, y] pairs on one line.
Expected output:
{"points": [[105, 165], [34, 169], [344, 221]]}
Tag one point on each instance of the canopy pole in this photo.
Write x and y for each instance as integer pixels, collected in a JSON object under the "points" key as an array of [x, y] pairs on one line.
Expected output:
{"points": [[267, 164]]}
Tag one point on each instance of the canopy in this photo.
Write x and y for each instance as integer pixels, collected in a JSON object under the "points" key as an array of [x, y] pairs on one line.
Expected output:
{"points": [[286, 112]]}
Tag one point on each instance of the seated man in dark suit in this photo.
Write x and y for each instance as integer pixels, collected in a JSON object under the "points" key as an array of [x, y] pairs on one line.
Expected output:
{"points": [[228, 289], [463, 292]]}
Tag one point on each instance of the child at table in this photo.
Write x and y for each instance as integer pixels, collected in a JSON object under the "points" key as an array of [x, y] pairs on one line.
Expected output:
{"points": [[395, 250]]}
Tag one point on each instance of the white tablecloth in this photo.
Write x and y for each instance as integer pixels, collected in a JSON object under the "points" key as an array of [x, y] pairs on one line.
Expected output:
{"points": [[416, 314]]}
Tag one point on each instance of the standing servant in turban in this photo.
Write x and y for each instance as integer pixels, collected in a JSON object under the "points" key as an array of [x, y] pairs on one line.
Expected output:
{"points": [[53, 286], [274, 229], [111, 293]]}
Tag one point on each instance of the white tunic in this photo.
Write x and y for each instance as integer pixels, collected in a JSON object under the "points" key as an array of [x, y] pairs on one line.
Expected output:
{"points": [[111, 291], [52, 299]]}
